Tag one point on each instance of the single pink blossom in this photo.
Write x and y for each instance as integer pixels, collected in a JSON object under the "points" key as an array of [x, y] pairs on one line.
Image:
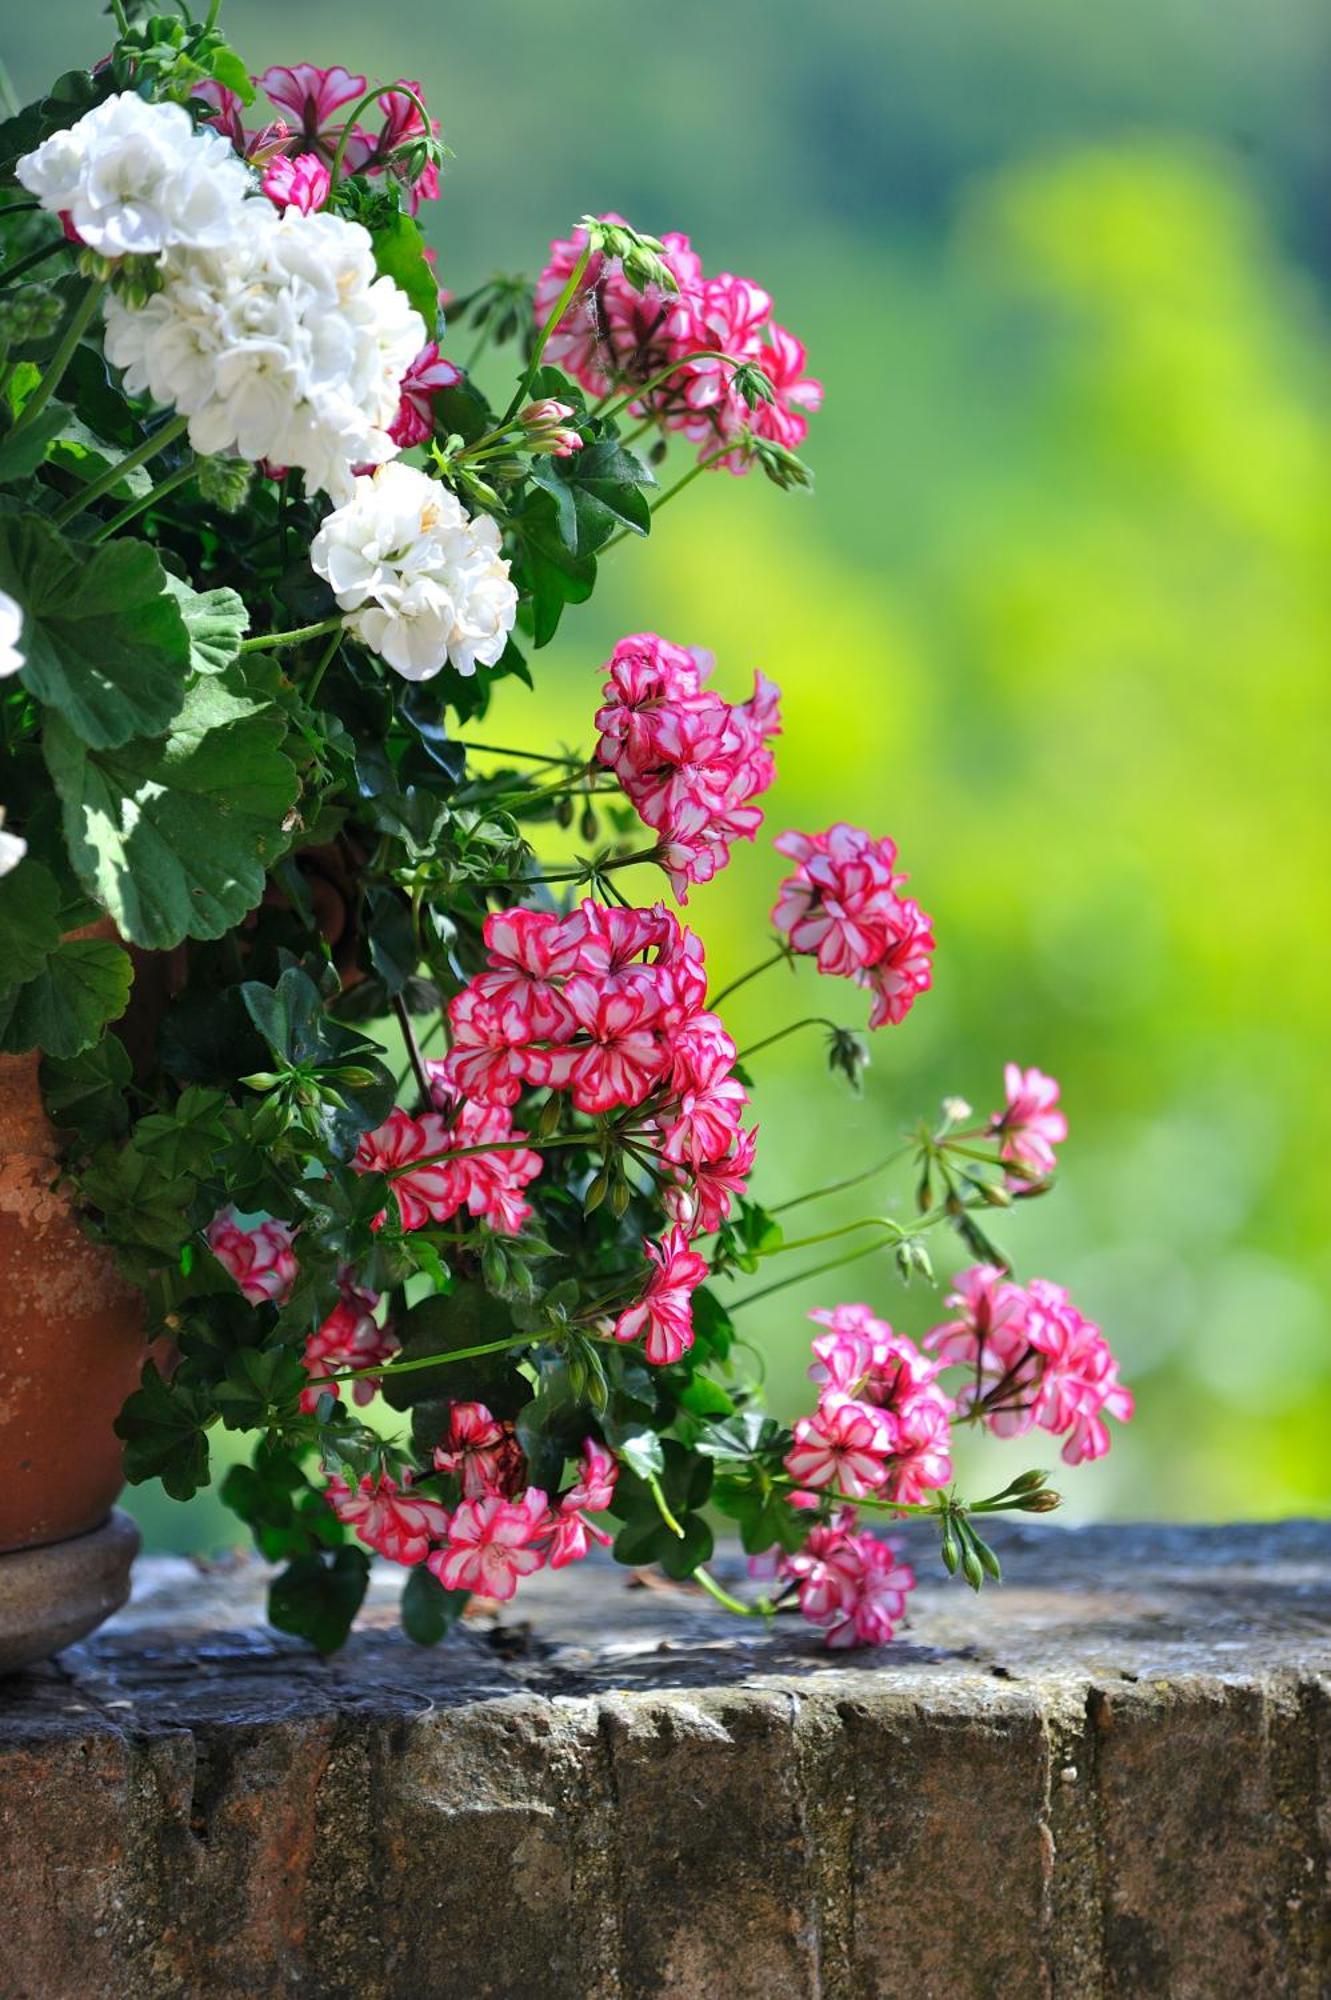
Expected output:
{"points": [[257, 1255], [492, 1543], [388, 1517], [302, 183], [592, 1493], [428, 375], [844, 1446], [350, 1337], [482, 1453], [412, 1152], [1032, 1125], [663, 1316]]}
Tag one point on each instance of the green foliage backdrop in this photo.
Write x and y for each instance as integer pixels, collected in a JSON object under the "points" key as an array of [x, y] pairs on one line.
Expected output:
{"points": [[1059, 617]]}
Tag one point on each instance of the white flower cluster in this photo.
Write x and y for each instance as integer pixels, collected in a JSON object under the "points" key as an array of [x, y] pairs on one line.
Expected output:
{"points": [[285, 345], [12, 848], [273, 334], [137, 179], [426, 584], [11, 631]]}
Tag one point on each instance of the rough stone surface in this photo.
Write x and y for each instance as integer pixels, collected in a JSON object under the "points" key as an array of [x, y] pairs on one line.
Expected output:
{"points": [[1112, 1777]]}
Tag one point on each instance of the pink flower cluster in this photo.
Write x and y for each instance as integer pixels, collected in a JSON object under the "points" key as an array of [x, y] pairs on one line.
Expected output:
{"points": [[843, 906], [314, 97], [1036, 1362], [882, 1425], [852, 1584], [613, 336], [690, 762], [350, 1337], [258, 1255], [1032, 1125], [442, 1161], [607, 1004], [500, 1531]]}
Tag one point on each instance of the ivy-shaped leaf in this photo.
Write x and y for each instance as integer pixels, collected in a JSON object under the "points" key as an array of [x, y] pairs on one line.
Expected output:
{"points": [[173, 837], [317, 1596], [164, 1430], [86, 1092], [429, 1611], [596, 491], [105, 644]]}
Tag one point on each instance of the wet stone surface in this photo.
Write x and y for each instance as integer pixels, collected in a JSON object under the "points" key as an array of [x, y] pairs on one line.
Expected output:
{"points": [[1112, 1776]]}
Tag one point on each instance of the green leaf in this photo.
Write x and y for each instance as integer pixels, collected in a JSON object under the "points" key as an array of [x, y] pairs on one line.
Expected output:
{"points": [[86, 1092], [106, 645], [749, 1435], [399, 252], [259, 1381], [79, 451], [680, 1557], [165, 1438], [428, 1610], [20, 456], [596, 491], [226, 67], [642, 1454], [467, 1317], [173, 837], [84, 984], [216, 621], [317, 1596], [29, 921]]}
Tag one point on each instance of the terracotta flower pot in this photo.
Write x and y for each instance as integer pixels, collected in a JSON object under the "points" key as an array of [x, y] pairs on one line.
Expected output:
{"points": [[71, 1342]]}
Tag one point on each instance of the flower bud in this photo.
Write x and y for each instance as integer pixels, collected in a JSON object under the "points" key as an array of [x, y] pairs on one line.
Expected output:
{"points": [[1041, 1503], [224, 482]]}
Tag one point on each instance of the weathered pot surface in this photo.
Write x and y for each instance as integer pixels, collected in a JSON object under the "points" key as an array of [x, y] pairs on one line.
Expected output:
{"points": [[51, 1596], [71, 1342]]}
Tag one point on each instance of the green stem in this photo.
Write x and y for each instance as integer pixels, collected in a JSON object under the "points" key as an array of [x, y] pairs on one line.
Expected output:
{"points": [[122, 19], [371, 97], [663, 1507], [134, 508], [432, 1360], [886, 1506], [895, 1229], [311, 687], [269, 642], [809, 1021], [694, 472], [64, 354], [561, 306], [762, 1609], [529, 756], [402, 1011], [798, 1277], [590, 871], [641, 389], [482, 338], [839, 1187], [33, 257], [112, 476], [715, 999]]}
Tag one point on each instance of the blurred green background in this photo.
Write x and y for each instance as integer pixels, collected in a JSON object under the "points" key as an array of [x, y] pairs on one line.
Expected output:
{"points": [[1058, 617]]}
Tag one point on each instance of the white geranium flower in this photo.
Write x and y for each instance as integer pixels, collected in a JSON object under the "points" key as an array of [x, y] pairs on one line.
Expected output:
{"points": [[138, 179], [12, 847], [11, 631], [424, 583], [285, 345]]}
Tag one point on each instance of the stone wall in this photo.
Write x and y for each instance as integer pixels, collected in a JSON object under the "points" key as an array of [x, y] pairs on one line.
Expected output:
{"points": [[1110, 1777]]}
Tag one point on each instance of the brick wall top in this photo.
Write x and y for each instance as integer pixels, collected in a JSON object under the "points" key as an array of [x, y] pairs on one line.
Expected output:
{"points": [[1112, 1776]]}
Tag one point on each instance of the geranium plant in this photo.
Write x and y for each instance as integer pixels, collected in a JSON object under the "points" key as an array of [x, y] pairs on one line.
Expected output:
{"points": [[265, 546]]}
